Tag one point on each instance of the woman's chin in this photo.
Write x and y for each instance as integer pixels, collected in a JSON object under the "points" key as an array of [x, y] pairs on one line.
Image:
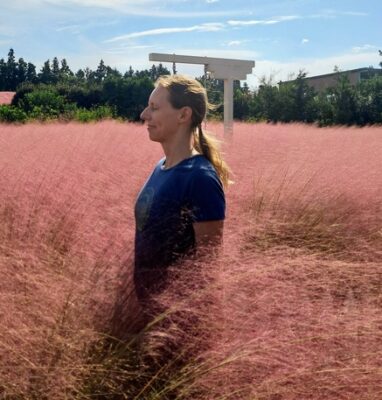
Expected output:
{"points": [[153, 137]]}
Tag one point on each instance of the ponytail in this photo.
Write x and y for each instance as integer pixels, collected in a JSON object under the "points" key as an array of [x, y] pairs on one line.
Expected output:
{"points": [[208, 146]]}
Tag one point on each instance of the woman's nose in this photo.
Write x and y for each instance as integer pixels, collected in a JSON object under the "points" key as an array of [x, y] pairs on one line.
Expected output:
{"points": [[143, 114]]}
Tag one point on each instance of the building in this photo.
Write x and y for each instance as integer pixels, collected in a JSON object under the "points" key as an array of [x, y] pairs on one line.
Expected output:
{"points": [[322, 82]]}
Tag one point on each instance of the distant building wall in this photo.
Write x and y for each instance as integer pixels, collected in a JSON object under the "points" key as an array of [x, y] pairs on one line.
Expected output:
{"points": [[322, 82]]}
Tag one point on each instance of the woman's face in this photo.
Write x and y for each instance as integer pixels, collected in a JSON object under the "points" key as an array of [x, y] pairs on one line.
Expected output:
{"points": [[161, 117]]}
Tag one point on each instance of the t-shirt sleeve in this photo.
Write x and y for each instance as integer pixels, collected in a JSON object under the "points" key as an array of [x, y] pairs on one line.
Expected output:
{"points": [[207, 198]]}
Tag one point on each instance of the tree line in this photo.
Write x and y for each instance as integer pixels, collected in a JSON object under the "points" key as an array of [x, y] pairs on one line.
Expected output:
{"points": [[56, 92], [14, 73], [296, 101]]}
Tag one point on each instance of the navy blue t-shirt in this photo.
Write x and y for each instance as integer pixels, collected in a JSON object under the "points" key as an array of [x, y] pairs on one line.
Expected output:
{"points": [[168, 204]]}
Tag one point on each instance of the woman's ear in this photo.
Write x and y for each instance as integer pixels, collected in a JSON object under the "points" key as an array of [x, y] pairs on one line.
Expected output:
{"points": [[185, 114]]}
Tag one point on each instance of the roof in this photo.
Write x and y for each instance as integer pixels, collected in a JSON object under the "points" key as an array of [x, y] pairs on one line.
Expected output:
{"points": [[343, 72], [339, 72]]}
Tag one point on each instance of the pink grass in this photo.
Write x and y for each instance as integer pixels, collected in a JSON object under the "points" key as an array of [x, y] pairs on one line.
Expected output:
{"points": [[292, 308], [6, 97]]}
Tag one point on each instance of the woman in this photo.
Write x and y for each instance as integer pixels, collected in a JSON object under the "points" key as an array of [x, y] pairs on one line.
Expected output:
{"points": [[181, 207]]}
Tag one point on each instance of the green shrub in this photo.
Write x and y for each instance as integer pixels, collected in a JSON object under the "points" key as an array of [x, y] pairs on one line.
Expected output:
{"points": [[12, 114], [128, 96], [21, 92], [42, 113], [49, 100], [94, 114]]}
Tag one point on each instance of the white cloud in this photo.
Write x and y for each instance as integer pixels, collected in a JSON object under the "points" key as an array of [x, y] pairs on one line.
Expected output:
{"points": [[208, 27], [330, 14], [69, 28], [272, 21], [77, 28], [212, 1], [147, 8], [246, 23], [235, 43], [5, 42], [108, 4], [287, 18], [304, 41], [124, 49], [364, 48], [355, 13]]}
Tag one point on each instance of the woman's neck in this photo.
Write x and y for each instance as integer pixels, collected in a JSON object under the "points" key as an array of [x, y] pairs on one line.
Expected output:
{"points": [[173, 158], [179, 146]]}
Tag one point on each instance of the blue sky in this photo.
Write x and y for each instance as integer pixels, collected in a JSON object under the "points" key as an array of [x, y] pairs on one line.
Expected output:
{"points": [[282, 36]]}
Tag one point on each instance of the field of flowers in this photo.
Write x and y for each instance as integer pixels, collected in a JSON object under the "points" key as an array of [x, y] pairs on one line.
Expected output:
{"points": [[290, 309]]}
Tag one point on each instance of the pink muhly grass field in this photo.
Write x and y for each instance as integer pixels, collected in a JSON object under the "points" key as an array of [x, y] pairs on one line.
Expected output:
{"points": [[290, 309], [6, 97]]}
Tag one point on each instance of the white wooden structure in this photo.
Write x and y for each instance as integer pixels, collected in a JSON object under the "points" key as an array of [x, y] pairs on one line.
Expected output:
{"points": [[218, 68]]}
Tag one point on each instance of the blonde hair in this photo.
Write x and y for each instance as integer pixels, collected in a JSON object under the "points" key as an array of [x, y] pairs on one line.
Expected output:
{"points": [[188, 92]]}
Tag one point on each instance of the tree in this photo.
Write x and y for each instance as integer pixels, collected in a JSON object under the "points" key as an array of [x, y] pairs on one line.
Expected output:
{"points": [[55, 70], [128, 96], [112, 72], [129, 73], [88, 74], [101, 72], [31, 73], [22, 70], [11, 71], [80, 75], [380, 53], [156, 72], [370, 100], [302, 100], [215, 94], [65, 71], [343, 99], [3, 74], [46, 75], [241, 102], [153, 73], [266, 102], [245, 88]]}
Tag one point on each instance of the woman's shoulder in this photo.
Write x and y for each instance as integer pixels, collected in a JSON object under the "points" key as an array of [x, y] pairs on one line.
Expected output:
{"points": [[203, 174], [194, 169], [200, 163], [202, 166]]}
